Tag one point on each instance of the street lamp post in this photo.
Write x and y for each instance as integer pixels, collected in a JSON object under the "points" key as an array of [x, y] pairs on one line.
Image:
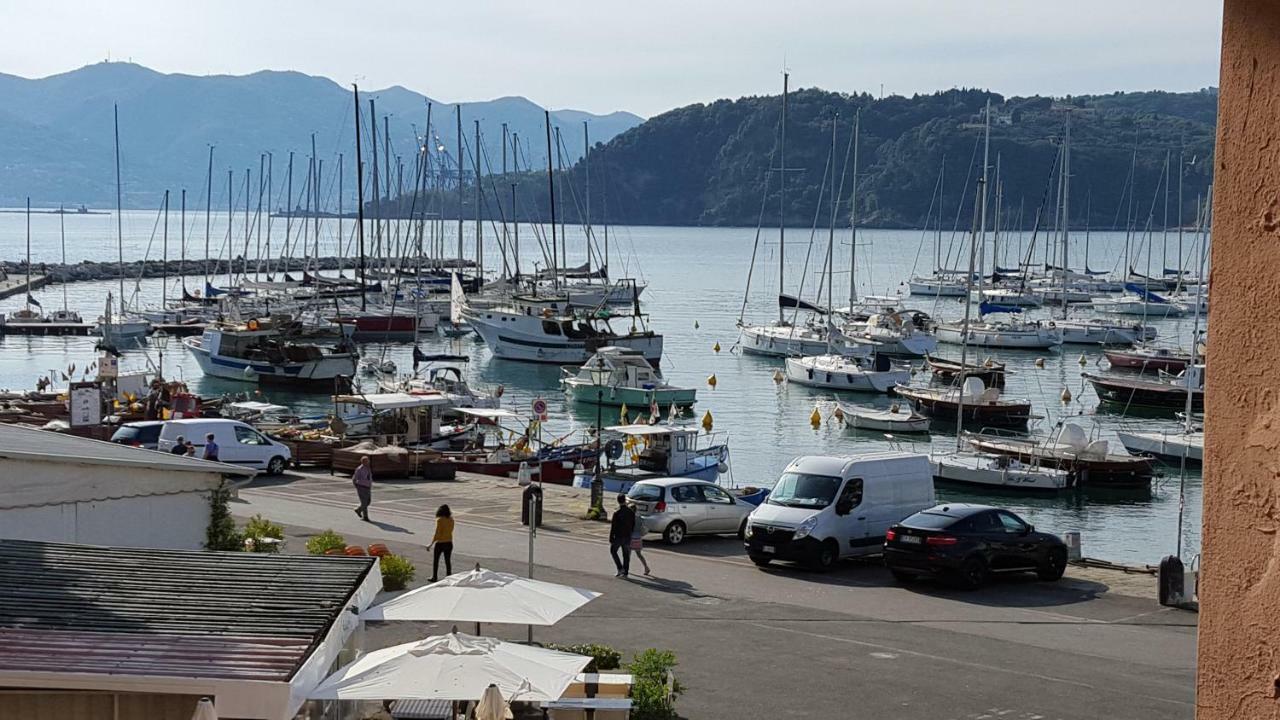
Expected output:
{"points": [[599, 376], [161, 339]]}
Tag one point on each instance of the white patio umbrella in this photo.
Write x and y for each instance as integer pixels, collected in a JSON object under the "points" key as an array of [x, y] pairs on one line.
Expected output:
{"points": [[485, 596], [454, 667]]}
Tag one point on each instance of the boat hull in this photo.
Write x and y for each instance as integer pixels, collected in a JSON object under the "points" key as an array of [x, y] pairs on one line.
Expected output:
{"points": [[855, 379], [319, 374], [1036, 339], [636, 398], [1147, 363], [1167, 446], [974, 471], [995, 415], [517, 337], [1144, 394], [778, 341], [558, 469], [929, 288], [1103, 471]]}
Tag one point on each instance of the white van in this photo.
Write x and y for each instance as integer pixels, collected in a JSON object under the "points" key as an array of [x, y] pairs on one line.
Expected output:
{"points": [[823, 509], [238, 443]]}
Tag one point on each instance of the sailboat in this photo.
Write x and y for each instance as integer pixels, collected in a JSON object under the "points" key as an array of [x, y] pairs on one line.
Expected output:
{"points": [[122, 329], [783, 337]]}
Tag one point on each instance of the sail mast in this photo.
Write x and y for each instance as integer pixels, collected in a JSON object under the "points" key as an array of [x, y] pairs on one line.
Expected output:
{"points": [[551, 185], [981, 201], [208, 214], [164, 252], [458, 163], [115, 114], [475, 151], [359, 201], [62, 233], [64, 285], [853, 216], [782, 199], [831, 239], [1066, 211]]}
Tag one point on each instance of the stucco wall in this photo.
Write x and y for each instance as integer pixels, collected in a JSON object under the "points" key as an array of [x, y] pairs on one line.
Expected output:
{"points": [[161, 521], [1240, 585]]}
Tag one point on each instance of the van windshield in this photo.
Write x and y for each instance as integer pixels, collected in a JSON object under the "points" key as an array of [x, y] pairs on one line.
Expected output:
{"points": [[804, 490]]}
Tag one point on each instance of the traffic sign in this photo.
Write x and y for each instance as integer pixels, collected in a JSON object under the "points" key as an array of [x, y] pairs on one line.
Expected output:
{"points": [[539, 407]]}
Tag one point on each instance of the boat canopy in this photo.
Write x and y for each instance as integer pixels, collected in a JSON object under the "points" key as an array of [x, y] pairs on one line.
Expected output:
{"points": [[259, 407], [987, 308], [490, 413], [394, 401], [1144, 293], [643, 429]]}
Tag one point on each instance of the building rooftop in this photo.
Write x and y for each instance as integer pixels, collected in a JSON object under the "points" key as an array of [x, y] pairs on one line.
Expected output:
{"points": [[167, 613], [27, 443]]}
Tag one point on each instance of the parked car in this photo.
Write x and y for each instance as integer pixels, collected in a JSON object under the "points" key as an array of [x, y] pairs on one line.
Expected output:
{"points": [[238, 443], [679, 507], [966, 544], [823, 509], [143, 434]]}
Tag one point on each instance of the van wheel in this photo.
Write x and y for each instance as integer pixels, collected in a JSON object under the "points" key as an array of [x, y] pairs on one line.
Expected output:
{"points": [[1054, 566], [275, 466], [827, 556], [674, 534]]}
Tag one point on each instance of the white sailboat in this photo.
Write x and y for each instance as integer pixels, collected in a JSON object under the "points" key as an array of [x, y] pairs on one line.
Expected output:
{"points": [[123, 329]]}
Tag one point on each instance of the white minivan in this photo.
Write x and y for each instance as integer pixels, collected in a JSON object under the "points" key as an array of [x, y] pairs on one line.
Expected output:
{"points": [[238, 443], [823, 509]]}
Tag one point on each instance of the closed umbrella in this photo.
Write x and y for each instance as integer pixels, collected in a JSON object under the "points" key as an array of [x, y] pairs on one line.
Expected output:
{"points": [[204, 710], [485, 596], [454, 667], [492, 706]]}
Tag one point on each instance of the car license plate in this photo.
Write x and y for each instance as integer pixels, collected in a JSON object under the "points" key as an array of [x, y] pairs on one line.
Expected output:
{"points": [[770, 549], [912, 539]]}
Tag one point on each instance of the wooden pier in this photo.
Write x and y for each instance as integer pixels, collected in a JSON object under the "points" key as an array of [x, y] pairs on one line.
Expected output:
{"points": [[17, 284]]}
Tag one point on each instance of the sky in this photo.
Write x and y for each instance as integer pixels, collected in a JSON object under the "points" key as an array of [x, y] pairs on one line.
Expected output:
{"points": [[645, 57]]}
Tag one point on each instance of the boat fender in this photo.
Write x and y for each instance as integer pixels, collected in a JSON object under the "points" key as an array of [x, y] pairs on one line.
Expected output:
{"points": [[838, 414], [1066, 395], [498, 393], [778, 377], [815, 419], [723, 454], [1082, 360], [707, 422], [1040, 362], [712, 382], [1053, 324]]}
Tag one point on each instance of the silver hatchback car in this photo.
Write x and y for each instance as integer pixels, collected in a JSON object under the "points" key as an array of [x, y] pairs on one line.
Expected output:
{"points": [[679, 507]]}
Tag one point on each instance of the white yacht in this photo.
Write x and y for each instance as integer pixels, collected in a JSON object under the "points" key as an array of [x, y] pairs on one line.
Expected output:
{"points": [[890, 334], [1100, 331], [1012, 334], [780, 339], [843, 372], [547, 330]]}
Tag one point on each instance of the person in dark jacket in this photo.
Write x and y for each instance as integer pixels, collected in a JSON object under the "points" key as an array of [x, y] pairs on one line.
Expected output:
{"points": [[620, 529]]}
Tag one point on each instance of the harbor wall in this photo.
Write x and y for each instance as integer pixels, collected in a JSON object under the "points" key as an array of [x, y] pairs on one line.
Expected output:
{"points": [[1239, 637], [89, 270]]}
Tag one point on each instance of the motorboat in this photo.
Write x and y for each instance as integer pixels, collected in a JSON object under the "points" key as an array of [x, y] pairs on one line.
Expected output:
{"points": [[1162, 393], [1169, 446], [257, 352], [990, 372], [1148, 359], [409, 421], [898, 418], [998, 471], [977, 405], [644, 452], [1100, 331], [842, 372], [1092, 463], [890, 334], [620, 376], [547, 330]]}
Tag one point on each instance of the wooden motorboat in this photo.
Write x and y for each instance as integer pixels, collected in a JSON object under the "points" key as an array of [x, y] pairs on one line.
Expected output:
{"points": [[1146, 359], [1140, 392], [978, 405], [999, 471], [991, 373], [897, 419], [1170, 447], [1092, 463]]}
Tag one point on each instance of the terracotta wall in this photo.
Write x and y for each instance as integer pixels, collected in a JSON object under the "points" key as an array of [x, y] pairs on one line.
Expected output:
{"points": [[1239, 650]]}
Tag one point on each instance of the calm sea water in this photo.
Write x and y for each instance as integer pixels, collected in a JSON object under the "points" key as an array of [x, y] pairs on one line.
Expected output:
{"points": [[696, 278]]}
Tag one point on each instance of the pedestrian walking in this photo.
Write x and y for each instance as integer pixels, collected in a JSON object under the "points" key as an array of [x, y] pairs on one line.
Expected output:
{"points": [[362, 478], [442, 543], [620, 529], [210, 448], [179, 446], [637, 540]]}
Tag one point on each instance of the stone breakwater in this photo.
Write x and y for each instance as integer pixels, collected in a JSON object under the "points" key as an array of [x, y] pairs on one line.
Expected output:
{"points": [[89, 270]]}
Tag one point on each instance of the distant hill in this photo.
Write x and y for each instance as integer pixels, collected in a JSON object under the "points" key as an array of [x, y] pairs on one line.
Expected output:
{"points": [[56, 132]]}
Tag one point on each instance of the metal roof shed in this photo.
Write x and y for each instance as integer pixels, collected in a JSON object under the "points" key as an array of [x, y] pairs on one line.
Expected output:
{"points": [[255, 632]]}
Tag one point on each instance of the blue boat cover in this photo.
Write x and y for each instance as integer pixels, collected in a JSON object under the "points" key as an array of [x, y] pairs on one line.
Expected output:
{"points": [[1144, 293], [986, 308]]}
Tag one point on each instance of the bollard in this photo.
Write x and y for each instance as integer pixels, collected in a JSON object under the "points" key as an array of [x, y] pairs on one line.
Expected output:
{"points": [[1172, 592], [1072, 539]]}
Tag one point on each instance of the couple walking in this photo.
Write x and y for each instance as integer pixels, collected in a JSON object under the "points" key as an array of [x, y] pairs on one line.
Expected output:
{"points": [[441, 543], [626, 536]]}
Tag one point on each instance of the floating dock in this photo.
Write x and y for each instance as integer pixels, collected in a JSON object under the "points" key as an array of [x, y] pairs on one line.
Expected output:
{"points": [[17, 284], [45, 328]]}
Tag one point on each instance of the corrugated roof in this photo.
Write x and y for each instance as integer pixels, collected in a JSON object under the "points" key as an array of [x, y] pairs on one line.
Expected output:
{"points": [[85, 609], [26, 443]]}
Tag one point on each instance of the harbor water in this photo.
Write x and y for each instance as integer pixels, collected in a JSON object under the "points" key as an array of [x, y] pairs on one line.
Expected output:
{"points": [[696, 279]]}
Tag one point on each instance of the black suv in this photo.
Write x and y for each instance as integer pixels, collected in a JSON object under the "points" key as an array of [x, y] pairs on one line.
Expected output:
{"points": [[967, 543], [143, 434]]}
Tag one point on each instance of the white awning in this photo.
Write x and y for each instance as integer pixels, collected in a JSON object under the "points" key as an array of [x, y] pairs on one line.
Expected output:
{"points": [[489, 413], [394, 401], [643, 429]]}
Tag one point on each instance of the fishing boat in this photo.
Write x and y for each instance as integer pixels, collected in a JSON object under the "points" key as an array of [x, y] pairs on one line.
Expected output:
{"points": [[1170, 446], [258, 352], [409, 421], [976, 405], [447, 380], [1140, 392], [620, 376], [387, 326], [990, 372], [545, 462], [897, 419], [1091, 462], [644, 452], [832, 371], [998, 471], [1148, 359], [1100, 331]]}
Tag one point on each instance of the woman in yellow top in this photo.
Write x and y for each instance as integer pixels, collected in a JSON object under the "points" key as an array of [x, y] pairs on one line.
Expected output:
{"points": [[442, 542]]}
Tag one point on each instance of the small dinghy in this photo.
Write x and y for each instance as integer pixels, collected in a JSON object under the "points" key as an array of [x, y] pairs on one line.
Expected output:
{"points": [[897, 419]]}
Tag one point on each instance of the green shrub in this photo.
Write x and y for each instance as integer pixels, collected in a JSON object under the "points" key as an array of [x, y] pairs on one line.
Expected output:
{"points": [[603, 657], [651, 698], [323, 542], [397, 572], [258, 534], [221, 533]]}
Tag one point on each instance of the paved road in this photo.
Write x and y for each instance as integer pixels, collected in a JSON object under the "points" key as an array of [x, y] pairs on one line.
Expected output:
{"points": [[790, 643]]}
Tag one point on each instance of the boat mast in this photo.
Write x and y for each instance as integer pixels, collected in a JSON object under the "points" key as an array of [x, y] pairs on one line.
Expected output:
{"points": [[853, 215], [359, 201], [831, 239], [782, 200], [551, 184], [475, 151], [341, 248], [115, 114], [458, 162], [981, 237], [981, 201], [586, 166], [1191, 368], [62, 233], [208, 213], [1066, 210], [506, 239], [182, 244], [164, 252], [564, 218], [515, 215], [64, 284], [230, 221]]}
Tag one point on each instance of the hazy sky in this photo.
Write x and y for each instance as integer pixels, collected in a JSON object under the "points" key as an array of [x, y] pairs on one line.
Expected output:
{"points": [[645, 56]]}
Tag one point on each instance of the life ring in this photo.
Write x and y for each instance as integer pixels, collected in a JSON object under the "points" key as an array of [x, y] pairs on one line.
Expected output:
{"points": [[1052, 324]]}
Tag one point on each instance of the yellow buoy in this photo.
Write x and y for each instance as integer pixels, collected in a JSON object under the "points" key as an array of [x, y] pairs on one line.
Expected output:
{"points": [[838, 415], [712, 381], [1083, 361], [707, 422], [716, 347], [778, 377], [816, 418], [1039, 362], [1066, 395]]}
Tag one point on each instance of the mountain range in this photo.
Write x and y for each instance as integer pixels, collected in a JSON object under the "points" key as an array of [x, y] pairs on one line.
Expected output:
{"points": [[56, 133]]}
